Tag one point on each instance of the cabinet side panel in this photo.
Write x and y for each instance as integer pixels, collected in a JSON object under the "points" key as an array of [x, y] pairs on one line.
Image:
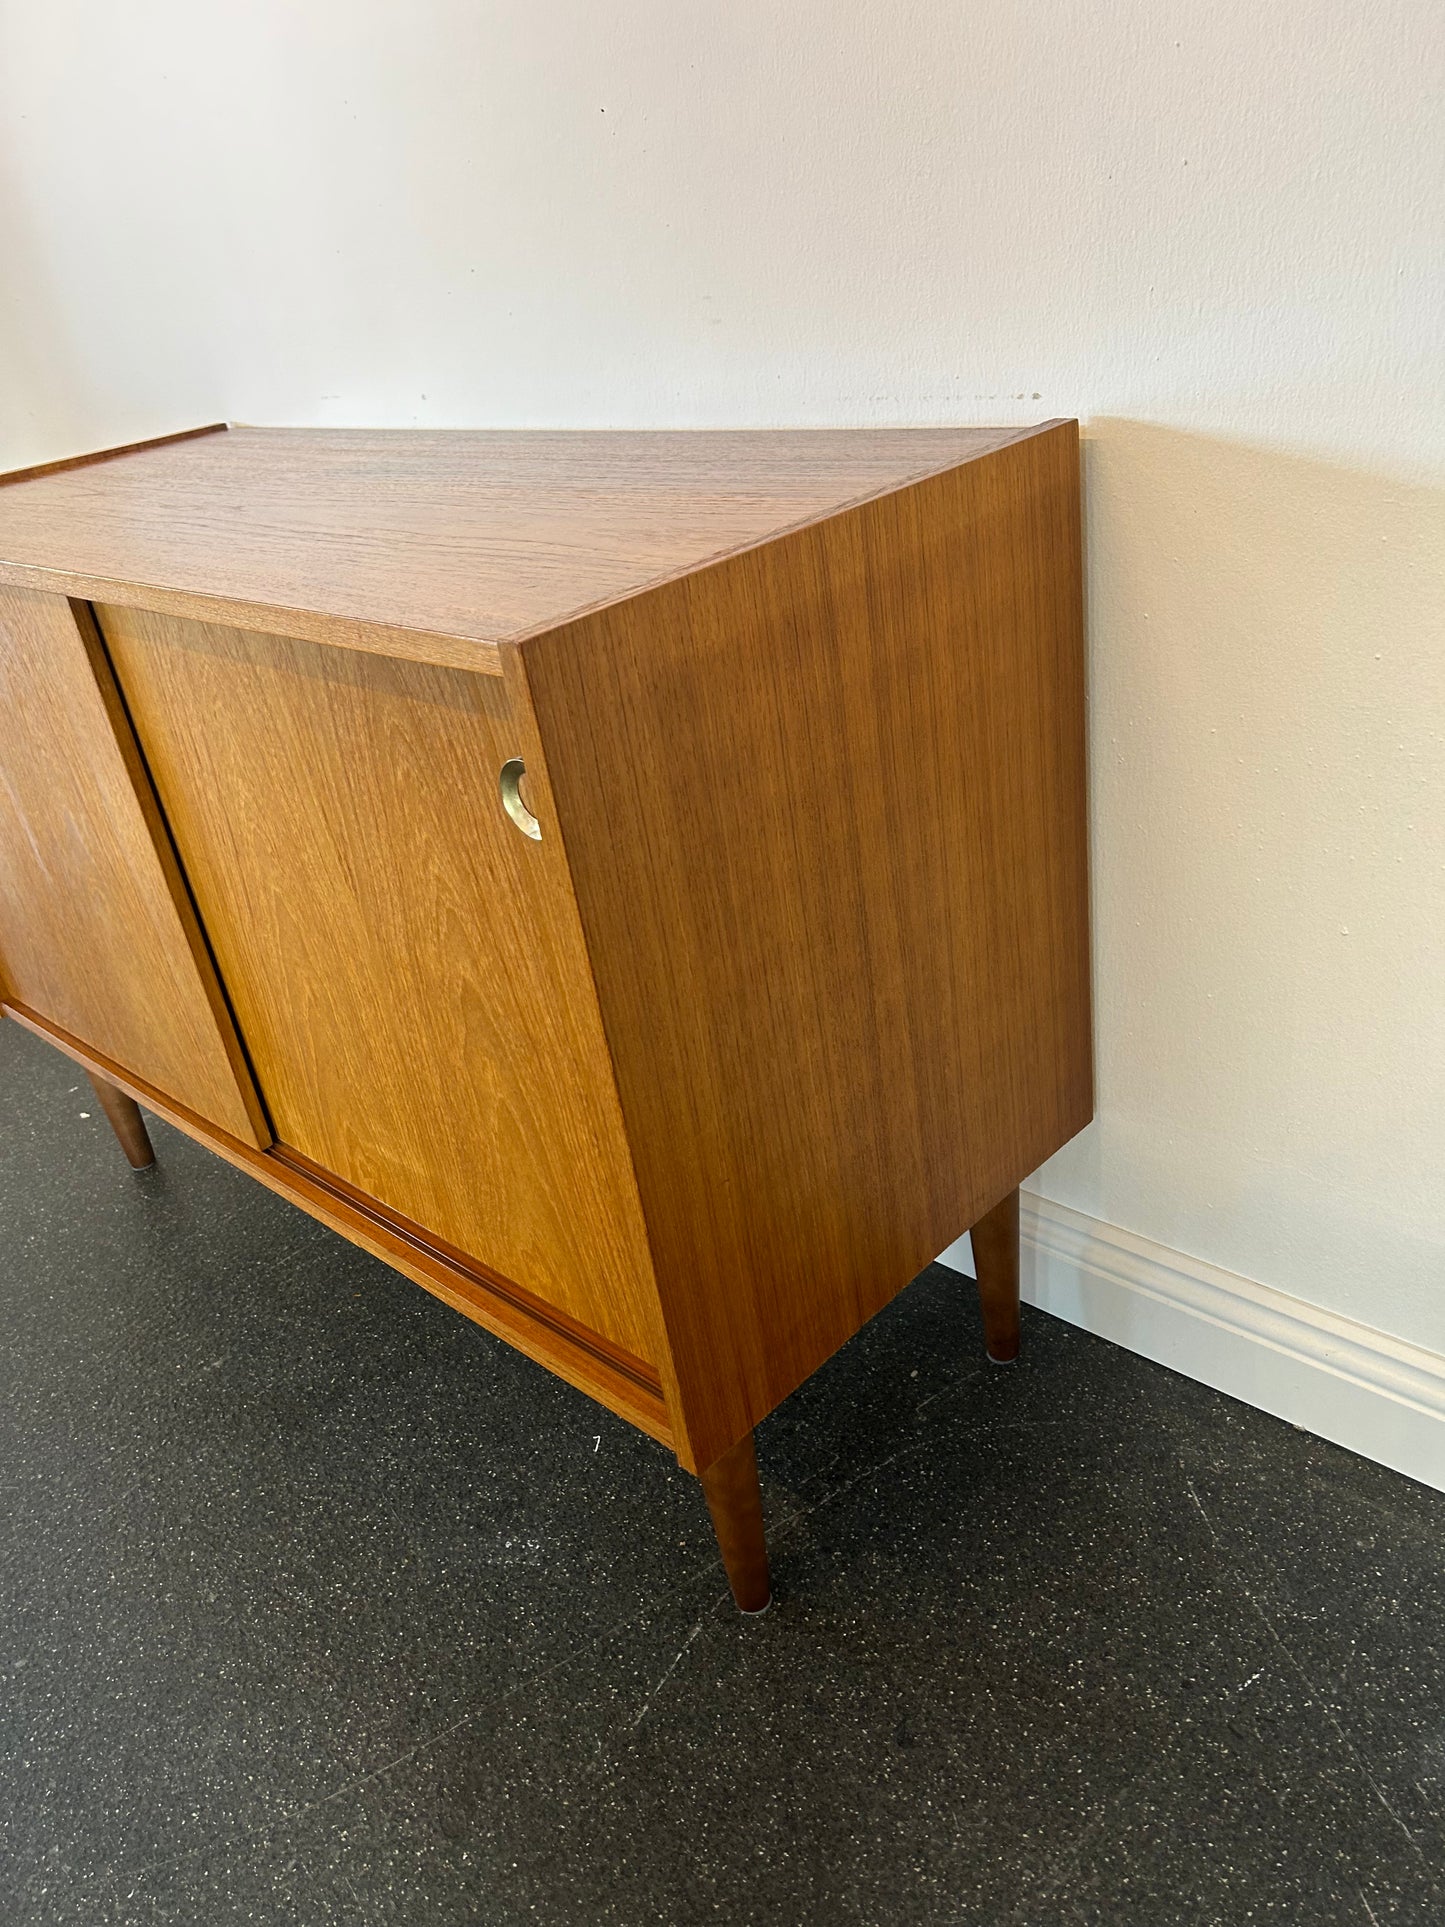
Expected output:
{"points": [[824, 806], [97, 933]]}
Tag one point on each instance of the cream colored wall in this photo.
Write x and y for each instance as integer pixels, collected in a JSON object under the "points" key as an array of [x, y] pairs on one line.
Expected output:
{"points": [[1267, 658], [1213, 232]]}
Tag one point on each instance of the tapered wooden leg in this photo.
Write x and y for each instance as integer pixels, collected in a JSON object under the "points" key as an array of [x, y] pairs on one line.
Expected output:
{"points": [[125, 1120], [996, 1262], [736, 1504]]}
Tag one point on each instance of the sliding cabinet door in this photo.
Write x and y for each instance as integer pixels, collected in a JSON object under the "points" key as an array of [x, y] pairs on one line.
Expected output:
{"points": [[97, 934]]}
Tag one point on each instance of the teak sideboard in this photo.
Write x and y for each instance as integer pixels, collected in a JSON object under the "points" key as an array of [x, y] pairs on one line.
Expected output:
{"points": [[634, 884]]}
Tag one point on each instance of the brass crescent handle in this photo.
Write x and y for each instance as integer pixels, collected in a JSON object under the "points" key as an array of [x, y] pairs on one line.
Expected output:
{"points": [[510, 784]]}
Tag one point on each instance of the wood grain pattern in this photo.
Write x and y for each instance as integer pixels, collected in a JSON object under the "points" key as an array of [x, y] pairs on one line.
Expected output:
{"points": [[825, 812], [434, 546], [623, 1387], [407, 969], [96, 927], [538, 1312]]}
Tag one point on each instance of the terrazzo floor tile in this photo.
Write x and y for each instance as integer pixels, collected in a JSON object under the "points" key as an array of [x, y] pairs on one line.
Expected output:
{"points": [[318, 1605]]}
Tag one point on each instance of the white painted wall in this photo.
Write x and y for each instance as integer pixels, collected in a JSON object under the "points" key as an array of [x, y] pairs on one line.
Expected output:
{"points": [[1213, 231]]}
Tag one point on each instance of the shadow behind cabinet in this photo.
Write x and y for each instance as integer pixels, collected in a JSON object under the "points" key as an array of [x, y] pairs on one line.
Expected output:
{"points": [[673, 1068]]}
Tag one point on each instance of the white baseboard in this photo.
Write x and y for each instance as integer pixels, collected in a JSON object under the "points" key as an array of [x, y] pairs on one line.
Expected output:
{"points": [[1374, 1394]]}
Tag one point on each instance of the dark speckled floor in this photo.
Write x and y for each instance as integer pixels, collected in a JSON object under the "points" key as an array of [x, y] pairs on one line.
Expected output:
{"points": [[317, 1604]]}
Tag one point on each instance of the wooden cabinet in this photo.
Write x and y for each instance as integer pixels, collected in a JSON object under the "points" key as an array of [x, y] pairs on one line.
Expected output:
{"points": [[644, 875]]}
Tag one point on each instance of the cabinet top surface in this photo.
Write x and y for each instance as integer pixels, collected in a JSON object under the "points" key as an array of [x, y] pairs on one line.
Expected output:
{"points": [[482, 537]]}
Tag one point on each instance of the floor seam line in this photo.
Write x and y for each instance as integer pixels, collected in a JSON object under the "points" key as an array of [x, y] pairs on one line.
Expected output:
{"points": [[1316, 1696]]}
